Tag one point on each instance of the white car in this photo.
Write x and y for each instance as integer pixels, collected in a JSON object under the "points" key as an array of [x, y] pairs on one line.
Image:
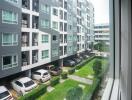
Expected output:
{"points": [[5, 94], [41, 75], [23, 85]]}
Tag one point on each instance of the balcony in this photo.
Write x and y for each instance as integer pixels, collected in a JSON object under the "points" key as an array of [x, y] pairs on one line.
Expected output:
{"points": [[35, 5], [34, 56], [65, 50], [25, 20], [25, 39], [65, 38], [35, 22], [26, 4], [25, 58], [61, 50], [34, 39]]}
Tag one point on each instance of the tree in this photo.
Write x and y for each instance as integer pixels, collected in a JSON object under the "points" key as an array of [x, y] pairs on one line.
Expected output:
{"points": [[91, 46], [97, 67], [101, 46], [74, 93]]}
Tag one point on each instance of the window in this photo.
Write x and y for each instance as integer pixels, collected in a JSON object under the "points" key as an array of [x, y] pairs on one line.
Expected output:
{"points": [[65, 27], [19, 84], [55, 25], [54, 38], [65, 4], [9, 17], [65, 15], [45, 54], [69, 49], [61, 26], [9, 39], [45, 8], [61, 14], [45, 23], [13, 1], [54, 52], [55, 12], [9, 62], [45, 38]]}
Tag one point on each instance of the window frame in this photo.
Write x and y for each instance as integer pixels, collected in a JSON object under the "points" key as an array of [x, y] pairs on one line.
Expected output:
{"points": [[14, 43], [11, 22], [44, 41], [12, 63], [45, 52]]}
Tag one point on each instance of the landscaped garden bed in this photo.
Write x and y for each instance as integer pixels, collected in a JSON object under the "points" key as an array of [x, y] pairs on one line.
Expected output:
{"points": [[60, 90]]}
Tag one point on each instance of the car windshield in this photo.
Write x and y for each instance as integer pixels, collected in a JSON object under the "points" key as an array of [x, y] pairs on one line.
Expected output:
{"points": [[29, 83], [4, 94], [45, 74]]}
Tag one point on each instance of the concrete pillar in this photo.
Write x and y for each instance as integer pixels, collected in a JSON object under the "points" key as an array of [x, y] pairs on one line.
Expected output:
{"points": [[28, 73], [61, 62]]}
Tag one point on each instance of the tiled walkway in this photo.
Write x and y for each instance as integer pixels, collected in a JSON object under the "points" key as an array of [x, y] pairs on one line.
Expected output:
{"points": [[80, 79]]}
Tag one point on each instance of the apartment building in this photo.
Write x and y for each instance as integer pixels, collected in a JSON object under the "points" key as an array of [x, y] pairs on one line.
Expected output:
{"points": [[101, 32], [37, 32]]}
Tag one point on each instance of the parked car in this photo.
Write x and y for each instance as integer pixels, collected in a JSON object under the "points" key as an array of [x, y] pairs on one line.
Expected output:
{"points": [[54, 70], [69, 63], [5, 94], [41, 75], [86, 56], [80, 57], [23, 85], [77, 60]]}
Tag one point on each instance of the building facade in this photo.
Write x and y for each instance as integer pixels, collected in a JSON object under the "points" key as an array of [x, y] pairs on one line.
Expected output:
{"points": [[101, 32], [37, 32]]}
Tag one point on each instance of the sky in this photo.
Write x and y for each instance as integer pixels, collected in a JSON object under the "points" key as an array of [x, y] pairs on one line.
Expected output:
{"points": [[101, 11]]}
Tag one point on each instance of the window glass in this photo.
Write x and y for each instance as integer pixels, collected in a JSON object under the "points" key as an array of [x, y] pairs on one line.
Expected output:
{"points": [[55, 25], [55, 12], [9, 61], [45, 8], [54, 37], [37, 73], [45, 54], [9, 17], [45, 38], [45, 23], [9, 39], [4, 94], [29, 83], [19, 84], [54, 52]]}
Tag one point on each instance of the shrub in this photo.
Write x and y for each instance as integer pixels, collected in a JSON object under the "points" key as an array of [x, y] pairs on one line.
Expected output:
{"points": [[54, 81], [92, 89], [97, 67], [71, 71], [35, 93], [78, 67], [64, 75], [74, 93]]}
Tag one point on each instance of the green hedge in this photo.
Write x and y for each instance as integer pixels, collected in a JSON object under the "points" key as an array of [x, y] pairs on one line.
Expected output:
{"points": [[72, 70], [80, 65], [93, 88], [54, 81], [74, 93], [64, 75], [35, 93]]}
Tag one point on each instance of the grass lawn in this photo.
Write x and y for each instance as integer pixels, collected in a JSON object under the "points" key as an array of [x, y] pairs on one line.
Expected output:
{"points": [[87, 69], [60, 90]]}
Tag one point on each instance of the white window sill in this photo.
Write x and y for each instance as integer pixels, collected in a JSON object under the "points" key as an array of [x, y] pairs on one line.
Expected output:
{"points": [[111, 90]]}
